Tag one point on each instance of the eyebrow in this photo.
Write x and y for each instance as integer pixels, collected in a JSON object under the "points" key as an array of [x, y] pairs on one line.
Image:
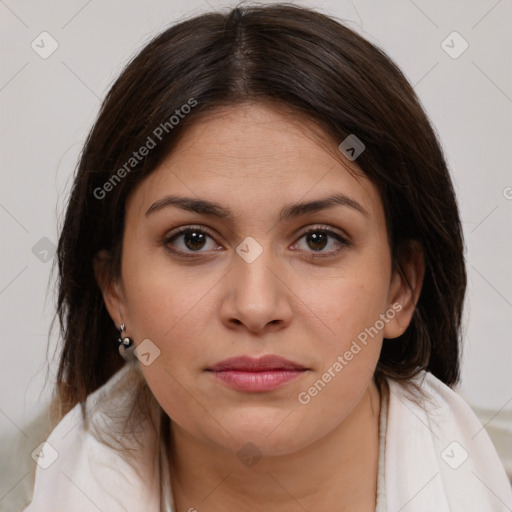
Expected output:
{"points": [[204, 207]]}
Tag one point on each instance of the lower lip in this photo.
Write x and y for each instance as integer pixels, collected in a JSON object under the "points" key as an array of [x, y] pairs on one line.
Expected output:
{"points": [[256, 381]]}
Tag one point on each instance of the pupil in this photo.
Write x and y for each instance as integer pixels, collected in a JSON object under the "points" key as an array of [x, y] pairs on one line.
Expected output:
{"points": [[192, 238], [195, 240], [316, 238]]}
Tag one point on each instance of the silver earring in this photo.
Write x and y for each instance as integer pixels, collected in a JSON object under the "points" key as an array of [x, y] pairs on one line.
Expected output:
{"points": [[125, 345]]}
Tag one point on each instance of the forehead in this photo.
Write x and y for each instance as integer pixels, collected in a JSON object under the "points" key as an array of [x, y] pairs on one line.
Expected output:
{"points": [[255, 155], [255, 137]]}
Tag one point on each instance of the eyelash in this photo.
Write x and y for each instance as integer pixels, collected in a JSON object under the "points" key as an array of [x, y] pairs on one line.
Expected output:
{"points": [[316, 229]]}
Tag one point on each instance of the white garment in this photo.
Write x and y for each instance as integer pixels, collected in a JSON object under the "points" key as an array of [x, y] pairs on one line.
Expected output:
{"points": [[437, 457]]}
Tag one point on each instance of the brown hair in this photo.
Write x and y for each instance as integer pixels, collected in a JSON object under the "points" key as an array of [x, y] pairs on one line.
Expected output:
{"points": [[309, 63]]}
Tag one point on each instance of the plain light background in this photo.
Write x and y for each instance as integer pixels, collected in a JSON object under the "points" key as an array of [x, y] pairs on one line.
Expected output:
{"points": [[49, 105]]}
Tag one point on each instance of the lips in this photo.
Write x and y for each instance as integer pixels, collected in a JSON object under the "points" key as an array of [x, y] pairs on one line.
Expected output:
{"points": [[262, 374], [249, 364]]}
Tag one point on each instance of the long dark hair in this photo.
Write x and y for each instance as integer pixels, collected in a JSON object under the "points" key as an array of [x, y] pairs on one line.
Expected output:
{"points": [[307, 62]]}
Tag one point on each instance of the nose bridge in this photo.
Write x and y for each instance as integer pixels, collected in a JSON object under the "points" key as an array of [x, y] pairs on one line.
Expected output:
{"points": [[253, 266], [258, 297]]}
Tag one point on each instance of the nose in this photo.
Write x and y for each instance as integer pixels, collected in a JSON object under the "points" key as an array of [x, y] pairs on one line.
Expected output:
{"points": [[256, 296]]}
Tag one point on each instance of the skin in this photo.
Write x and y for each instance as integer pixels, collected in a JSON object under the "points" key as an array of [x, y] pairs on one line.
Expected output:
{"points": [[255, 159]]}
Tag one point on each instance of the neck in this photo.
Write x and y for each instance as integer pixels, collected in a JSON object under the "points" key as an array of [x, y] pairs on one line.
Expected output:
{"points": [[337, 472]]}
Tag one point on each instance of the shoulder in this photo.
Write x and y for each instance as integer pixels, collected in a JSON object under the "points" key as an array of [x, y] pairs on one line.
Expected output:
{"points": [[87, 474], [437, 444]]}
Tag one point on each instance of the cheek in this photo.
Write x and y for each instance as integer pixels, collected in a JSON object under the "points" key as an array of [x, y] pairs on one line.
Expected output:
{"points": [[163, 304], [162, 297], [348, 302], [352, 305], [348, 356], [172, 307]]}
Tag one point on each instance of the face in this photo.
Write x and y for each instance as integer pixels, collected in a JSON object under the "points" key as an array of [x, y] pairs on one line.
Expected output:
{"points": [[257, 277]]}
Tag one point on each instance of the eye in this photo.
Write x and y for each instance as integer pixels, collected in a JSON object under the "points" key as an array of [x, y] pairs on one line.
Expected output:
{"points": [[319, 237], [189, 239]]}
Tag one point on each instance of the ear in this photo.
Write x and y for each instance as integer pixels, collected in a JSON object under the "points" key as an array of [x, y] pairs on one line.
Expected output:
{"points": [[111, 290], [405, 289]]}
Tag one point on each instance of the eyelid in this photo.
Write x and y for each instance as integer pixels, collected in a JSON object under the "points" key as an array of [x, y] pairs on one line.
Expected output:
{"points": [[185, 229], [341, 237], [327, 228], [190, 227], [208, 231]]}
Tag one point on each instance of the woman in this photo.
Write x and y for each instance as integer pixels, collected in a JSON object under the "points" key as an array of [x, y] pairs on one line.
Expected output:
{"points": [[263, 224]]}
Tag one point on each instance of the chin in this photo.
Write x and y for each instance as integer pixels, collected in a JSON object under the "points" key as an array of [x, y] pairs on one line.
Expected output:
{"points": [[263, 436]]}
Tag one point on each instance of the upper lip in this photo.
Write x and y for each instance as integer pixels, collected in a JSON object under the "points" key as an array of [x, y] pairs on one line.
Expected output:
{"points": [[255, 364]]}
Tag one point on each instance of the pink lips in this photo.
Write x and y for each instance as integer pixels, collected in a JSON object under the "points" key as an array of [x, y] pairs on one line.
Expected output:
{"points": [[256, 374]]}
